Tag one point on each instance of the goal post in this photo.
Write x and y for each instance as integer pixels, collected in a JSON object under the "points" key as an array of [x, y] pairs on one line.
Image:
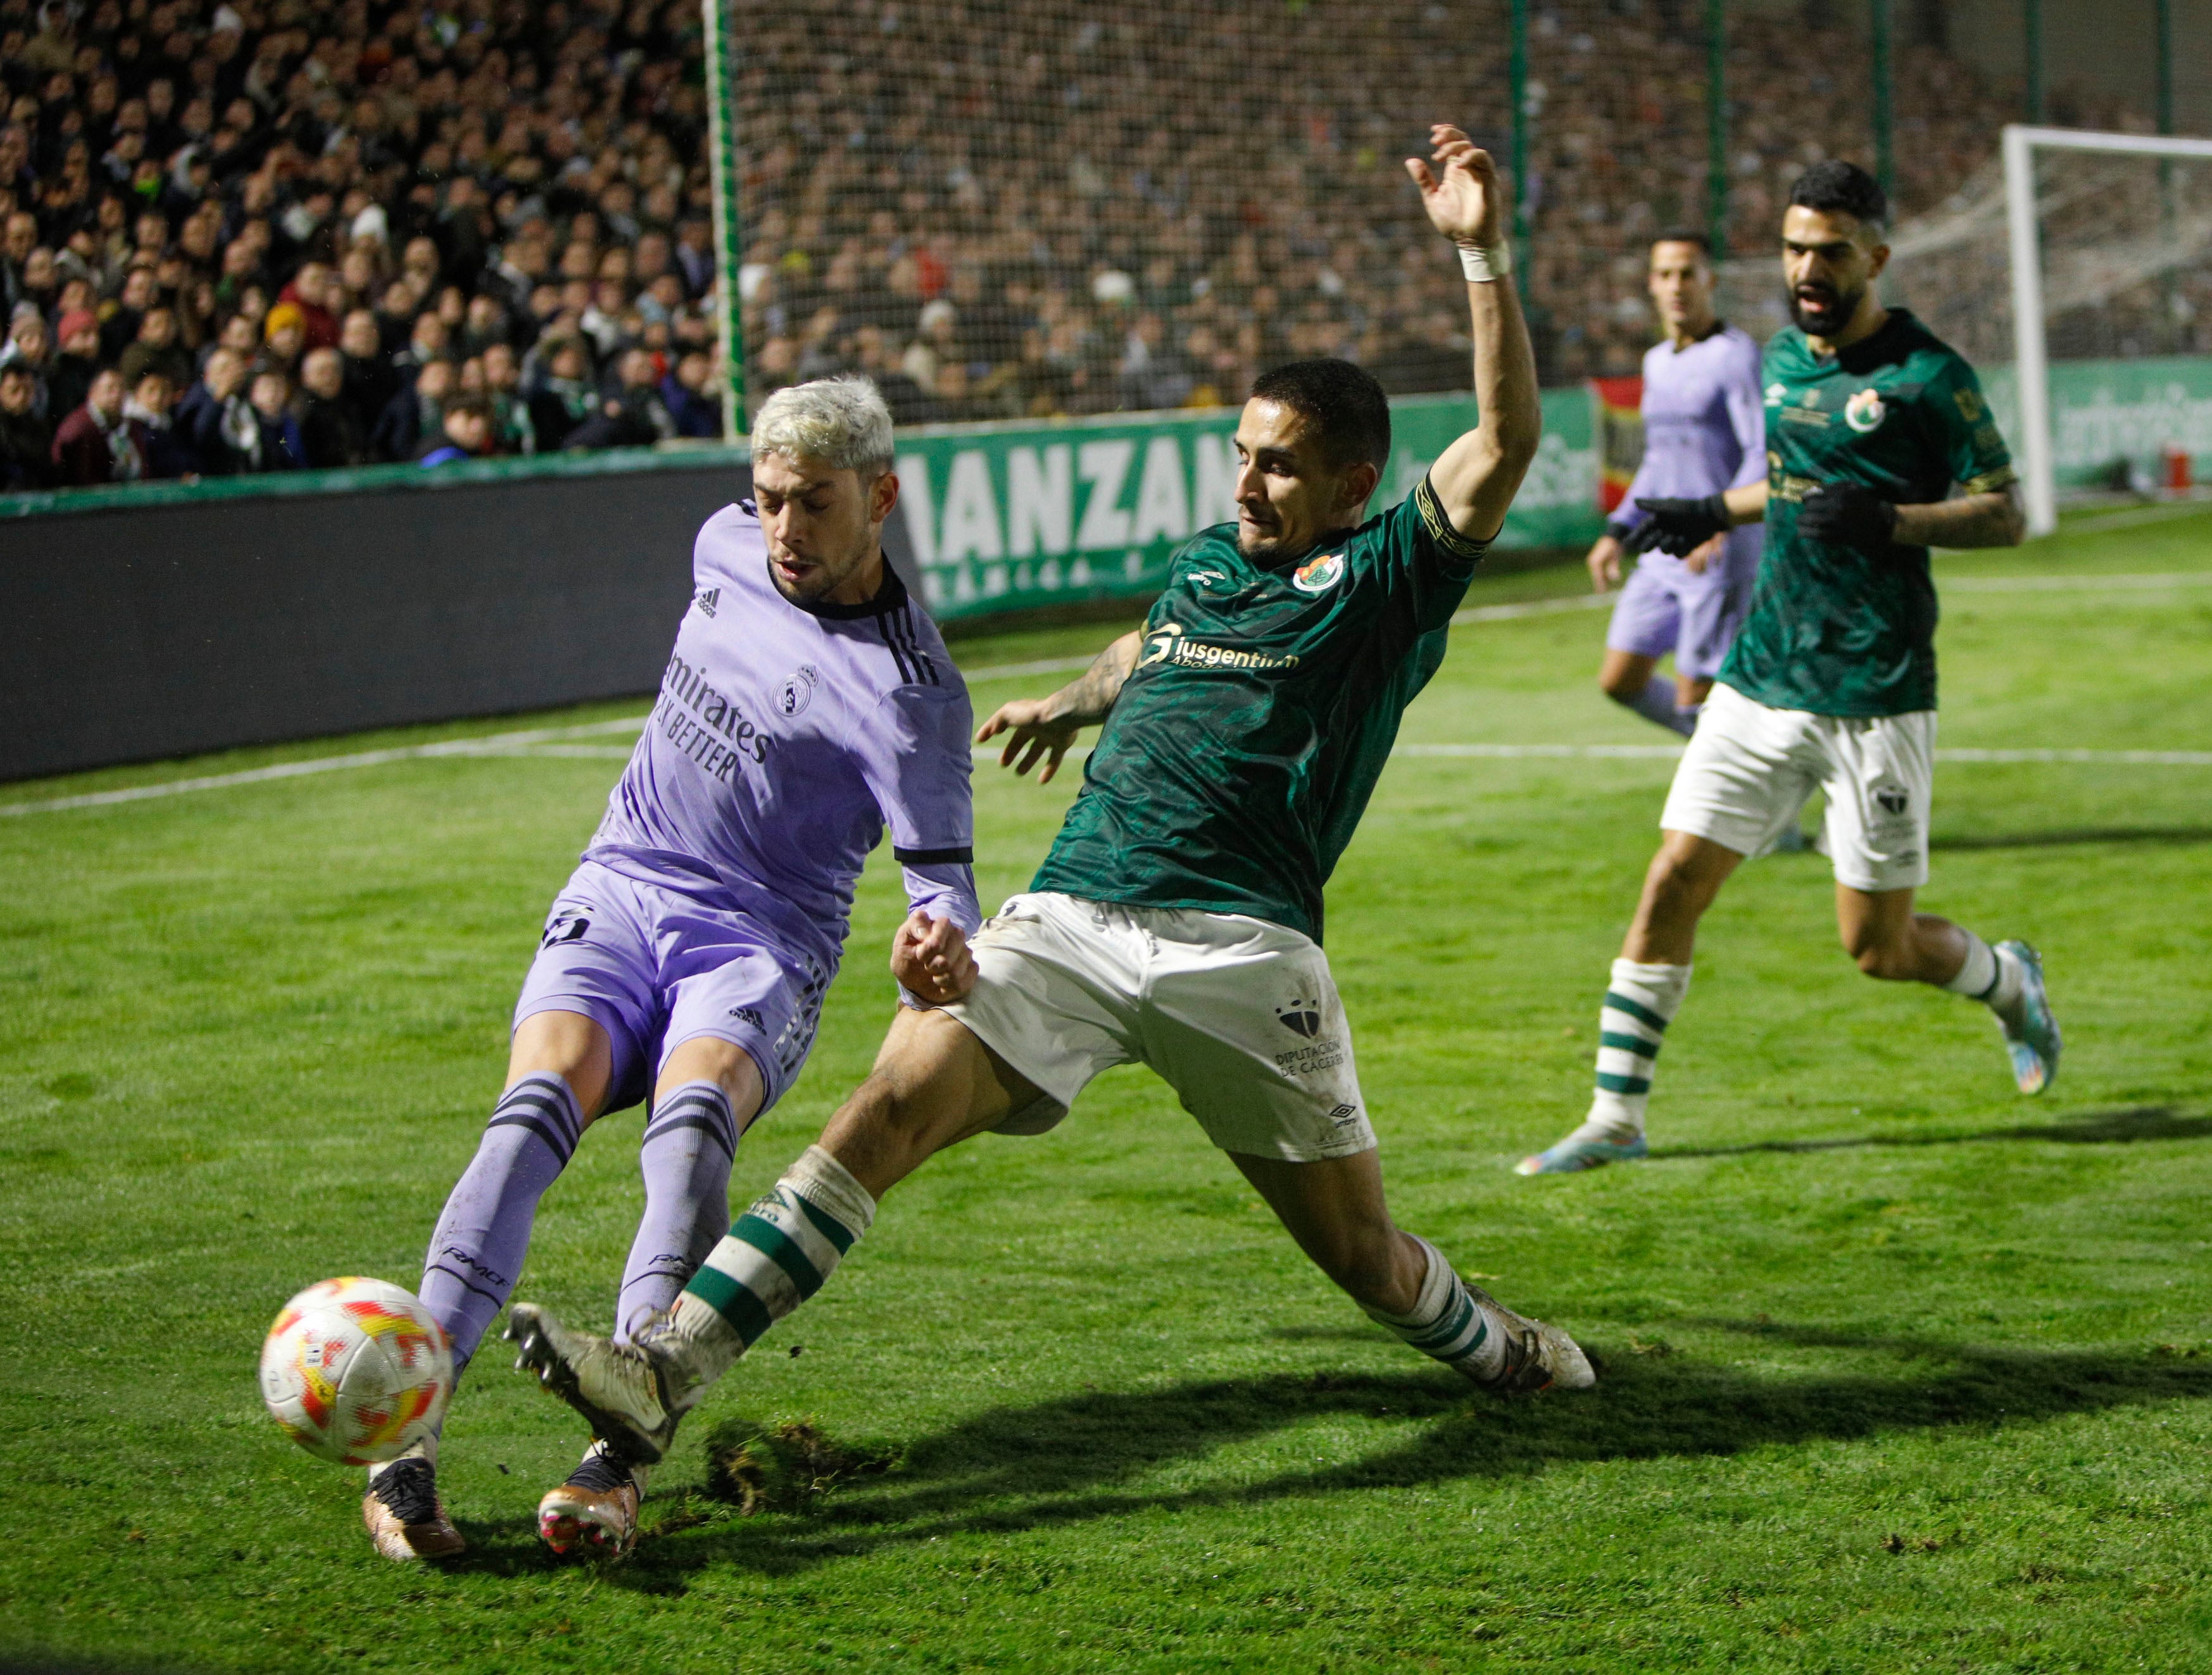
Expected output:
{"points": [[2031, 356]]}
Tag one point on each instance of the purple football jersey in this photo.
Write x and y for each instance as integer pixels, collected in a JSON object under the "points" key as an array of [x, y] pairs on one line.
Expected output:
{"points": [[786, 739], [1704, 429]]}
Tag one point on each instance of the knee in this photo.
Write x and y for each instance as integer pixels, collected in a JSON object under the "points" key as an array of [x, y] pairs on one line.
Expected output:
{"points": [[1622, 686]]}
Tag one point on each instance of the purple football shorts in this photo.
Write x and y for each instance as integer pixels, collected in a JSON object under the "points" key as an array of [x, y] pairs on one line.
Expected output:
{"points": [[1663, 608], [656, 967]]}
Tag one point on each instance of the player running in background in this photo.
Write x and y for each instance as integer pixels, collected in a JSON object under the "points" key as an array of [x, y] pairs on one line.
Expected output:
{"points": [[1704, 430], [808, 704], [1830, 685], [1175, 921]]}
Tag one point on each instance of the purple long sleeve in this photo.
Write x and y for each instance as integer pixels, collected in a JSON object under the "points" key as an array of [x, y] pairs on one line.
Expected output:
{"points": [[1704, 430], [785, 739]]}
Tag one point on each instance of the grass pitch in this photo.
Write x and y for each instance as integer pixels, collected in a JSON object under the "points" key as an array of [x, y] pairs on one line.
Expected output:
{"points": [[1902, 1371]]}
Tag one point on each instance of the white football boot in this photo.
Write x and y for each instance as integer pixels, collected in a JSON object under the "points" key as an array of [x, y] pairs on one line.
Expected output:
{"points": [[632, 1395]]}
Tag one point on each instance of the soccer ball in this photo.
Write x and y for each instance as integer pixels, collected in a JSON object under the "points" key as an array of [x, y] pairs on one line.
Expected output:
{"points": [[355, 1370]]}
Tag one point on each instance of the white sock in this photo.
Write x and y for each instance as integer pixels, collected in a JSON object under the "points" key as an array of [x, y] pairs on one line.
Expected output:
{"points": [[776, 1256], [1448, 1321], [1640, 1002], [1990, 975]]}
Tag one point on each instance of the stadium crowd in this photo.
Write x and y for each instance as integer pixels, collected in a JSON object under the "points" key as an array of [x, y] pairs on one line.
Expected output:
{"points": [[257, 235], [1003, 210], [253, 235]]}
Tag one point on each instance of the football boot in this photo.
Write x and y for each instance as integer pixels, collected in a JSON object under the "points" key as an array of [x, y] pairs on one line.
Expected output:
{"points": [[595, 1511], [2031, 1032], [1537, 1357], [1577, 1153], [632, 1395], [405, 1518]]}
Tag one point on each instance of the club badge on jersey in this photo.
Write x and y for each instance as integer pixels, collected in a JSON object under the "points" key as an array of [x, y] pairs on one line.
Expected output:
{"points": [[1864, 411], [1320, 575]]}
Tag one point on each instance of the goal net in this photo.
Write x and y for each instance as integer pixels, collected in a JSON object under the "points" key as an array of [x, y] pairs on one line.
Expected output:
{"points": [[2073, 269]]}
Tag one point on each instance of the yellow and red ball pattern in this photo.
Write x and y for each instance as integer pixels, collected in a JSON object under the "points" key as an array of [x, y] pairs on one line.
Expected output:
{"points": [[355, 1370]]}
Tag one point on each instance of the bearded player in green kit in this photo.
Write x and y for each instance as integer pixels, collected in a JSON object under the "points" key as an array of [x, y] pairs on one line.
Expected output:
{"points": [[1871, 421], [1176, 920]]}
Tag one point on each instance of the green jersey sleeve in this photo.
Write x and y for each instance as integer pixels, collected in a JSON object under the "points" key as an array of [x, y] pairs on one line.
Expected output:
{"points": [[1423, 563], [1965, 434]]}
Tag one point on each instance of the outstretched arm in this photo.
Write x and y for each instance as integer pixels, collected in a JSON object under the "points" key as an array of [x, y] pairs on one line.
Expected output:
{"points": [[1477, 475], [1047, 726]]}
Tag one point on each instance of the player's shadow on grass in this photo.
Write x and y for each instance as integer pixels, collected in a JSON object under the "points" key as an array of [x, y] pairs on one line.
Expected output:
{"points": [[2124, 1126], [2176, 836], [1085, 1456]]}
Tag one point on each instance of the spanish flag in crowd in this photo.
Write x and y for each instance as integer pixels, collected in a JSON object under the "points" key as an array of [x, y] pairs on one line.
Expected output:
{"points": [[1617, 417]]}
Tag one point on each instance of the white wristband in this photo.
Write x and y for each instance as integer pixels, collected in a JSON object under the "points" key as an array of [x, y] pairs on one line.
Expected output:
{"points": [[1486, 265]]}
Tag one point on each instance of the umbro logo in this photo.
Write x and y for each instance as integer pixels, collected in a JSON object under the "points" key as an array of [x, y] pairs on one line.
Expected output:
{"points": [[705, 600], [1344, 1115]]}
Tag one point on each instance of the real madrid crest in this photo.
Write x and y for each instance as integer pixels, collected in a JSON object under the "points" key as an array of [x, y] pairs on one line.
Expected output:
{"points": [[797, 691], [1320, 575], [1864, 411]]}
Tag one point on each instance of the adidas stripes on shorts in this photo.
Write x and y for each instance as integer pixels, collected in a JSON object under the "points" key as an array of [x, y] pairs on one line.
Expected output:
{"points": [[1240, 1017], [1749, 769]]}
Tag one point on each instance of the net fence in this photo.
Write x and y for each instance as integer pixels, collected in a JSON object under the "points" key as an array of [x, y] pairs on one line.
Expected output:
{"points": [[1006, 211]]}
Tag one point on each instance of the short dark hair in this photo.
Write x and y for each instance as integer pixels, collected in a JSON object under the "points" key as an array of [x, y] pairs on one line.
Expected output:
{"points": [[1836, 187], [1683, 235], [1342, 400]]}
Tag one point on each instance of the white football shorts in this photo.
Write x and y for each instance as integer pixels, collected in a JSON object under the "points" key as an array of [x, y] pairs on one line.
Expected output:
{"points": [[1239, 1017], [1749, 769]]}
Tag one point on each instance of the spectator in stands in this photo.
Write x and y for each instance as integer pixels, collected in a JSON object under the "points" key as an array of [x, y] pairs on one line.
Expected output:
{"points": [[26, 348], [464, 433], [216, 421], [331, 432], [277, 444], [27, 441], [415, 413], [97, 443], [632, 417], [371, 380], [156, 349], [565, 397], [284, 339], [691, 398], [68, 378], [150, 407]]}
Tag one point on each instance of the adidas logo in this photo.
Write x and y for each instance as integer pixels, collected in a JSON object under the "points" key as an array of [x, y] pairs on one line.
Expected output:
{"points": [[706, 601]]}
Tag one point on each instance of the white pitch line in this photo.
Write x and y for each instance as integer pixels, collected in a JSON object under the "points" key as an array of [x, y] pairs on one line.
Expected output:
{"points": [[1964, 753], [491, 744], [529, 742], [2073, 583]]}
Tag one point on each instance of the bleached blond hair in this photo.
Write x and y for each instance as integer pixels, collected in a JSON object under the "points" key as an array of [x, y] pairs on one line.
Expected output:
{"points": [[841, 421]]}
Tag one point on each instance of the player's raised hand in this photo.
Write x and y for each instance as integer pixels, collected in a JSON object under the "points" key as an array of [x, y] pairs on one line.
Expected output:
{"points": [[1465, 198], [1035, 732], [930, 958]]}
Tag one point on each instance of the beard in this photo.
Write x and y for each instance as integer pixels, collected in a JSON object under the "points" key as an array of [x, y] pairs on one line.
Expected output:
{"points": [[1827, 312]]}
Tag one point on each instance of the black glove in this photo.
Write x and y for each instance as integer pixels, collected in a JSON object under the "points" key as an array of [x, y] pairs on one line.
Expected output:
{"points": [[1847, 515], [1679, 526]]}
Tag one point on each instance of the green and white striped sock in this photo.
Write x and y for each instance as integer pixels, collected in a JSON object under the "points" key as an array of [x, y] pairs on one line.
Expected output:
{"points": [[776, 1256], [1640, 1002], [1449, 1322]]}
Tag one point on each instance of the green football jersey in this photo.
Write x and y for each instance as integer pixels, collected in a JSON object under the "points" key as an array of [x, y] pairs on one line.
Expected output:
{"points": [[1241, 753], [1840, 630]]}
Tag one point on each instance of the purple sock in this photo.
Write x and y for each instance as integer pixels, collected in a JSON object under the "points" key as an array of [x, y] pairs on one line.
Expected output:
{"points": [[686, 1158], [476, 1254], [1656, 703]]}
